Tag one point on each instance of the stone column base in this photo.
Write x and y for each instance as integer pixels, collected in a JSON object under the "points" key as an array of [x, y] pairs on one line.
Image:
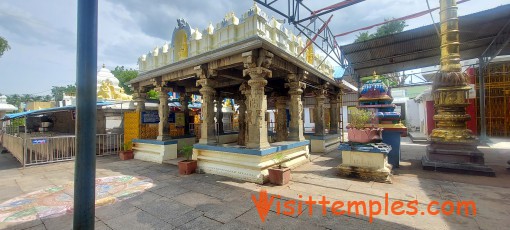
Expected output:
{"points": [[248, 164], [163, 138], [324, 144], [459, 158]]}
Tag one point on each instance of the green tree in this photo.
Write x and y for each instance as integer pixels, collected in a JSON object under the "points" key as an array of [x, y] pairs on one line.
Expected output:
{"points": [[58, 91], [152, 94], [125, 75], [4, 46], [386, 29], [14, 99]]}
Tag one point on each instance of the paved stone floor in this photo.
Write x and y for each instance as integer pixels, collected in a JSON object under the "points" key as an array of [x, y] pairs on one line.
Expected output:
{"points": [[202, 201]]}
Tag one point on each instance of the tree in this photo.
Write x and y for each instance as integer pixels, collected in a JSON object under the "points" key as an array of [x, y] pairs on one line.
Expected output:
{"points": [[4, 46], [386, 29], [125, 75], [396, 79], [58, 91], [152, 94]]}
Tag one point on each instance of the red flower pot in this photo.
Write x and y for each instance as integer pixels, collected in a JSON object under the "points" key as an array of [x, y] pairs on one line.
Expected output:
{"points": [[126, 155], [366, 135], [279, 176], [187, 167]]}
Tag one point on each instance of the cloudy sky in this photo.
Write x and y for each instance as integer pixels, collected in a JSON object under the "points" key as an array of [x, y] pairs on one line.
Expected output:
{"points": [[42, 34]]}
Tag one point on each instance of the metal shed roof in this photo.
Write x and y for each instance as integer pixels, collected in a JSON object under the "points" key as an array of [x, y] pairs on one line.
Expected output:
{"points": [[419, 47], [45, 111]]}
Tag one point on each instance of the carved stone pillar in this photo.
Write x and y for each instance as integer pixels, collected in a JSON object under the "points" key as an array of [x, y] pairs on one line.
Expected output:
{"points": [[184, 100], [163, 111], [207, 126], [320, 97], [243, 116], [219, 113], [281, 118], [296, 125], [257, 127], [334, 114], [139, 98]]}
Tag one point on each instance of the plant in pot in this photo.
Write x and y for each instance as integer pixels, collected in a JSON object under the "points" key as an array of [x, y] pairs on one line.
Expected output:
{"points": [[279, 175], [187, 166], [127, 153], [357, 130]]}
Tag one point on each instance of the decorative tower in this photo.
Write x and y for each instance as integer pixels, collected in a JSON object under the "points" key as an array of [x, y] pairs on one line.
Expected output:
{"points": [[453, 146]]}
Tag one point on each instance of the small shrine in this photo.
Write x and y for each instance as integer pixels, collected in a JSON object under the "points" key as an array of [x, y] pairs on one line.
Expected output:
{"points": [[374, 134], [254, 60]]}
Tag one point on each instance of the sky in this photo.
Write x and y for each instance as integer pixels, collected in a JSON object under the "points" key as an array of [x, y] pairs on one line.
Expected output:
{"points": [[42, 34]]}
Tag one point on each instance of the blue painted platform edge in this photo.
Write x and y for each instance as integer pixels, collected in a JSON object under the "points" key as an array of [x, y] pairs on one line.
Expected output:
{"points": [[255, 152], [155, 142], [323, 137]]}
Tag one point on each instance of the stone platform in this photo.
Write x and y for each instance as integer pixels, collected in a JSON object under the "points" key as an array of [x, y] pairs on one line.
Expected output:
{"points": [[249, 164], [154, 150], [462, 158], [366, 161]]}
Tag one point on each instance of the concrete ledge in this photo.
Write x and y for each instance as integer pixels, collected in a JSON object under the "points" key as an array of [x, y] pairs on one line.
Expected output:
{"points": [[154, 151], [248, 167], [275, 147], [155, 142], [228, 138], [323, 144]]}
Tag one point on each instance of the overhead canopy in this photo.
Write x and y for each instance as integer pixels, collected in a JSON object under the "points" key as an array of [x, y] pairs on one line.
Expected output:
{"points": [[420, 47], [46, 111]]}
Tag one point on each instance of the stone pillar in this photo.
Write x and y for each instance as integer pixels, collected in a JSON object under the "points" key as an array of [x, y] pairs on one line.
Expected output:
{"points": [[219, 113], [296, 125], [334, 113], [281, 118], [319, 112], [243, 133], [257, 126], [242, 120], [207, 127], [184, 100], [163, 111], [139, 98]]}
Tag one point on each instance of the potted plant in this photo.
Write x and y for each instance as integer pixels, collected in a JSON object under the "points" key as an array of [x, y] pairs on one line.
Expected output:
{"points": [[279, 175], [127, 153], [187, 166], [357, 130]]}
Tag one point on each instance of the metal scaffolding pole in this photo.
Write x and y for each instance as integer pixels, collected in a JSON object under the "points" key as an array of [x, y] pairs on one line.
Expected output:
{"points": [[481, 84], [86, 80]]}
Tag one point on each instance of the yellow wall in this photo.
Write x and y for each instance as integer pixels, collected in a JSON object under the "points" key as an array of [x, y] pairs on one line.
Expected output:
{"points": [[36, 105]]}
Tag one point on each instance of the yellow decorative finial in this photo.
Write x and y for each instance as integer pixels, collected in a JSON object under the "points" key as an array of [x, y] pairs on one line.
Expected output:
{"points": [[376, 77]]}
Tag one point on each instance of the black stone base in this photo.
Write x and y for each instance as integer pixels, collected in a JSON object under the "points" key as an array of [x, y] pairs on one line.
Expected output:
{"points": [[458, 158]]}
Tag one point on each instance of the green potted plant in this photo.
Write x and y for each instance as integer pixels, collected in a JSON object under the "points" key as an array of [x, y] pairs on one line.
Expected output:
{"points": [[357, 130], [279, 175], [187, 166], [127, 152]]}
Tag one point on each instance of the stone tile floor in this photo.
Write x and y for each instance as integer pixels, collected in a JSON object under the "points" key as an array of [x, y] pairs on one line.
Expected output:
{"points": [[202, 201]]}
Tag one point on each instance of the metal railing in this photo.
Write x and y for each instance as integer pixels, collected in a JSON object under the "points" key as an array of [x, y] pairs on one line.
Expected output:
{"points": [[49, 149], [14, 145], [108, 144], [42, 150]]}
